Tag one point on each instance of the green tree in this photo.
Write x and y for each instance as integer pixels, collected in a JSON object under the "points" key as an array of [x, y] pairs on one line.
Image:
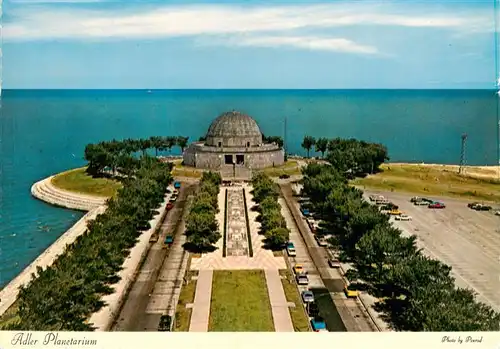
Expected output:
{"points": [[276, 238], [321, 145], [307, 143], [182, 142]]}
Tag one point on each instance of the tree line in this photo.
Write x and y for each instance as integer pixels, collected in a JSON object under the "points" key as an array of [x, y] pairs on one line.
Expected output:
{"points": [[117, 154], [202, 229], [347, 154], [415, 293], [63, 296], [273, 225]]}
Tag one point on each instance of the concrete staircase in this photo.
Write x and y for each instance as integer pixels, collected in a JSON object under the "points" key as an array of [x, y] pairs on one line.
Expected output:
{"points": [[238, 173], [45, 191]]}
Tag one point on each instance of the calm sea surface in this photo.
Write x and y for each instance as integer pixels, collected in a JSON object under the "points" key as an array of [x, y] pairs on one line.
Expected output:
{"points": [[45, 132]]}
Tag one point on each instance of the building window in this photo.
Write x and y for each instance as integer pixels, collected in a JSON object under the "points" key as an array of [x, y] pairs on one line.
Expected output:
{"points": [[248, 144], [240, 159], [228, 159], [220, 144]]}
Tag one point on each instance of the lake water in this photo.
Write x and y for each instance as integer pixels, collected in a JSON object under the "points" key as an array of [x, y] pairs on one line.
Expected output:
{"points": [[45, 132]]}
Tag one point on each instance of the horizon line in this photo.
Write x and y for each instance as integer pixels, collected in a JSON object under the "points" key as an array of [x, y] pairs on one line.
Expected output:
{"points": [[242, 89]]}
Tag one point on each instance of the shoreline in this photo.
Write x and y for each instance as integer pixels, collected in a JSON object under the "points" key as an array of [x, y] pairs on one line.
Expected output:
{"points": [[8, 294], [45, 191]]}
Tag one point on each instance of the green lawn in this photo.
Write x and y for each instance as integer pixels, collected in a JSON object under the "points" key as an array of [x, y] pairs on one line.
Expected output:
{"points": [[79, 181], [291, 167], [299, 318], [240, 302], [431, 180]]}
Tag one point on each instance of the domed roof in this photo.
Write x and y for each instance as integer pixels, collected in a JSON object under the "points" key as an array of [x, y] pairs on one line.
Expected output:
{"points": [[234, 124]]}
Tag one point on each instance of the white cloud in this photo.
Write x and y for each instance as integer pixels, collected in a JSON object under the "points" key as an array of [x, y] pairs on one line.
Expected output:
{"points": [[270, 25], [303, 42]]}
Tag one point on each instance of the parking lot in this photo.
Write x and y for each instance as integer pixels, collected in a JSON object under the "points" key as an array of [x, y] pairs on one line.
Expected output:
{"points": [[465, 239]]}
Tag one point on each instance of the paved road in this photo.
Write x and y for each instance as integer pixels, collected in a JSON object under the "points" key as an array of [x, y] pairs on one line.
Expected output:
{"points": [[467, 240], [138, 313], [352, 313]]}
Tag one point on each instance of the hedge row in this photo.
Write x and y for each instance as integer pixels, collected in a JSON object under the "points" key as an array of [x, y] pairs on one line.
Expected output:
{"points": [[202, 229], [273, 225]]}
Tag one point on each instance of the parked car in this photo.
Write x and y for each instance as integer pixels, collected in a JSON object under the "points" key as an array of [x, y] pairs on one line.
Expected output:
{"points": [[302, 279], [290, 249], [481, 207], [497, 213], [165, 323], [350, 293], [321, 240], [177, 185], [305, 211], [473, 204], [313, 309], [173, 198], [307, 296], [403, 217], [298, 269], [395, 213], [170, 206], [334, 263], [154, 237], [437, 205], [318, 324], [423, 202], [415, 199]]}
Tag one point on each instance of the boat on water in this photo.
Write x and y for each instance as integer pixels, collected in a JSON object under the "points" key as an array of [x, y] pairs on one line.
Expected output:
{"points": [[149, 91]]}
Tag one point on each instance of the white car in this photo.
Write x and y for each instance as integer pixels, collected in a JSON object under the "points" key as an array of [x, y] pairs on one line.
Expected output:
{"points": [[291, 251], [403, 217], [497, 213]]}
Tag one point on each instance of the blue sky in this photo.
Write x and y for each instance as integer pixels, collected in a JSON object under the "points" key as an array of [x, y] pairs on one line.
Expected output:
{"points": [[248, 44]]}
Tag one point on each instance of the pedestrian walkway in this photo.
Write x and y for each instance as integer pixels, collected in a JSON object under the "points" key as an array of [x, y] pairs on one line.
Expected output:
{"points": [[237, 241], [201, 306], [279, 304]]}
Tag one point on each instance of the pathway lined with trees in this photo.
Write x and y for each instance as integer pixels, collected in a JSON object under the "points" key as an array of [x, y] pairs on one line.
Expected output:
{"points": [[63, 296]]}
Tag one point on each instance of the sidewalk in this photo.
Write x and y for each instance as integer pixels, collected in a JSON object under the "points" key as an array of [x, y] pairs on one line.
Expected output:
{"points": [[201, 307], [279, 305]]}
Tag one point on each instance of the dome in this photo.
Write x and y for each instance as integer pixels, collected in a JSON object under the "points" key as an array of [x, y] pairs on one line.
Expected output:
{"points": [[234, 129], [234, 124]]}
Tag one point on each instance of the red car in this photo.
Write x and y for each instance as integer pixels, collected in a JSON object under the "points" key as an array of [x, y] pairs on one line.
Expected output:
{"points": [[170, 206], [436, 205]]}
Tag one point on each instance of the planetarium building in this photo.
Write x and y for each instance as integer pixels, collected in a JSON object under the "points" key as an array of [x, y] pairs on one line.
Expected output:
{"points": [[233, 139]]}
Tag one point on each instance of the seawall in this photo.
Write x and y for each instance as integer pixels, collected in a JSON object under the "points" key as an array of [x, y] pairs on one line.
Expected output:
{"points": [[9, 293], [44, 190]]}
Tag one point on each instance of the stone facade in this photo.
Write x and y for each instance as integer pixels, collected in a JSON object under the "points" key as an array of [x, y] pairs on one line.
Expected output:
{"points": [[233, 138]]}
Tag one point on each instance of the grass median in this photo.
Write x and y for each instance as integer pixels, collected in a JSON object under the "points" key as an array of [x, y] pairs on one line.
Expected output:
{"points": [[79, 181], [438, 180], [183, 314], [240, 302], [299, 318]]}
